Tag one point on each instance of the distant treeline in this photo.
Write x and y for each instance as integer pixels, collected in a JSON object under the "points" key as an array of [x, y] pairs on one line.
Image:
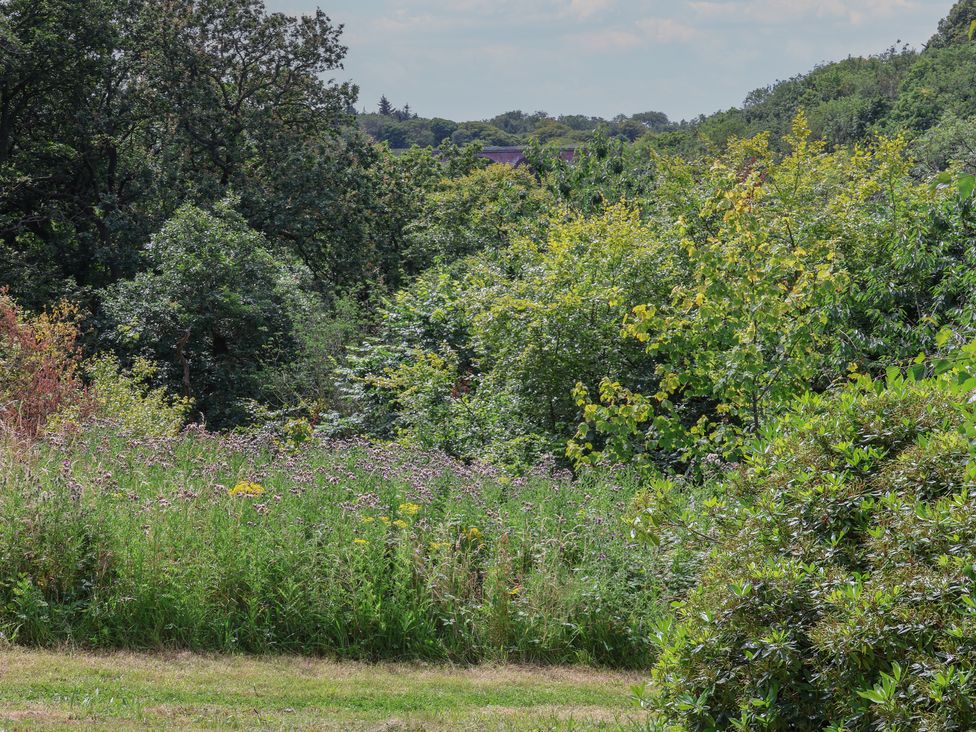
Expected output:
{"points": [[401, 128], [847, 101]]}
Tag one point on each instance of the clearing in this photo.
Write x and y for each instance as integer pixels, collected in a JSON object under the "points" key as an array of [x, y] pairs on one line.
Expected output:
{"points": [[75, 690]]}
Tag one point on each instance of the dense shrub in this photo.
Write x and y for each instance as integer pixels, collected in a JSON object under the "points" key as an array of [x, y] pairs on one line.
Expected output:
{"points": [[46, 387], [838, 590], [940, 82], [786, 270], [482, 211], [127, 400], [673, 326]]}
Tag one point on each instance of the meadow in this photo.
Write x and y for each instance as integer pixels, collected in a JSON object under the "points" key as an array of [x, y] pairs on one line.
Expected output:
{"points": [[346, 549]]}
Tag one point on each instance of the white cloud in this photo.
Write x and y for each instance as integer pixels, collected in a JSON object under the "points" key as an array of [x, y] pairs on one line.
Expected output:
{"points": [[584, 9], [667, 30], [515, 11], [779, 12], [644, 32]]}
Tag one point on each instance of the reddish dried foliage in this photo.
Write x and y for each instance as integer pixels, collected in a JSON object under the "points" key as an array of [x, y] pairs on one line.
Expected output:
{"points": [[39, 364]]}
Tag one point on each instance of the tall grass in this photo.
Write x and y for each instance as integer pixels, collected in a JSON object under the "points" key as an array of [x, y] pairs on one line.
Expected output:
{"points": [[345, 549]]}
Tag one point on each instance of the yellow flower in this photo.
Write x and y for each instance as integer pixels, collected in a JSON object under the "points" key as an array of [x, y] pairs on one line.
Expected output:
{"points": [[246, 488], [385, 520], [368, 519], [360, 542], [514, 591], [438, 545], [473, 533], [409, 509], [400, 524]]}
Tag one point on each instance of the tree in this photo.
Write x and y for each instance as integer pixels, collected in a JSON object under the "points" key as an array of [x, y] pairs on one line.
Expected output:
{"points": [[385, 108], [242, 93], [114, 113], [214, 310], [656, 121], [483, 133], [73, 174], [481, 211], [937, 84], [785, 272], [956, 27]]}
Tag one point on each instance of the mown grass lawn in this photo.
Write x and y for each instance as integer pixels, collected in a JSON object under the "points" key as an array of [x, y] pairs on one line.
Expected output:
{"points": [[74, 690]]}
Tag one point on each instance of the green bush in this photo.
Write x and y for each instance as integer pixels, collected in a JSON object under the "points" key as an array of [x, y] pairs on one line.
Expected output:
{"points": [[838, 590], [126, 398]]}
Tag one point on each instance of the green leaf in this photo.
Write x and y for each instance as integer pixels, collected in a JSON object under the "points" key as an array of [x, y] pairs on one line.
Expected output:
{"points": [[942, 366], [873, 696], [972, 30], [966, 186]]}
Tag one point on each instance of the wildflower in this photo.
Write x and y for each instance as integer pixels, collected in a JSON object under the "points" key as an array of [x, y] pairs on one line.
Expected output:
{"points": [[438, 545], [515, 591], [409, 509], [473, 534], [400, 524], [385, 520], [246, 488], [368, 519], [360, 542]]}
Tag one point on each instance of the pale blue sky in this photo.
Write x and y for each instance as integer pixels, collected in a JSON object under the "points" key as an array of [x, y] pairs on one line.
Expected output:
{"points": [[472, 59]]}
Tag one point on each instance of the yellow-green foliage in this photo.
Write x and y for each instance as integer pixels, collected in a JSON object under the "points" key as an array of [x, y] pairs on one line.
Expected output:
{"points": [[769, 265], [678, 324], [483, 359], [423, 386], [559, 321], [125, 398], [481, 211]]}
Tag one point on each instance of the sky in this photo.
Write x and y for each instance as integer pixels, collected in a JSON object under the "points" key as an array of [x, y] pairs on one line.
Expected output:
{"points": [[473, 59]]}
